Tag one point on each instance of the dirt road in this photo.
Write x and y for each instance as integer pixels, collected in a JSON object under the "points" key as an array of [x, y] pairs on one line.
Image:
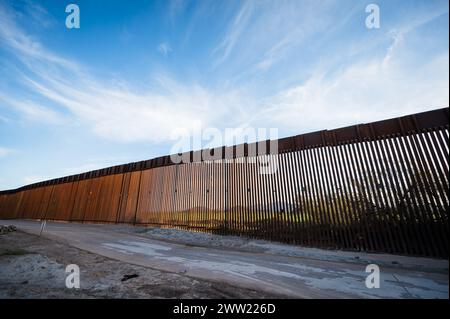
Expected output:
{"points": [[291, 271], [33, 267]]}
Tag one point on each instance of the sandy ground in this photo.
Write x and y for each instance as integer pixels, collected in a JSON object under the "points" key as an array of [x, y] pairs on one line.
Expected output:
{"points": [[224, 263], [34, 267], [243, 244]]}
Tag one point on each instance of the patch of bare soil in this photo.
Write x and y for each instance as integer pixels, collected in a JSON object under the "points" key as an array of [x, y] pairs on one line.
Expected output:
{"points": [[34, 267]]}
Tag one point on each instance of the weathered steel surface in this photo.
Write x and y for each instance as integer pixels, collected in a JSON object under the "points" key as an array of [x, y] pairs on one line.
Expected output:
{"points": [[381, 187]]}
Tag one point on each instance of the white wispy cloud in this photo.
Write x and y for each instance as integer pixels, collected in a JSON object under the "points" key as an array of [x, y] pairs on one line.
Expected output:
{"points": [[363, 90], [25, 46], [5, 151], [39, 14], [112, 111], [234, 31], [261, 33], [4, 119], [164, 48], [35, 112], [367, 87], [398, 34]]}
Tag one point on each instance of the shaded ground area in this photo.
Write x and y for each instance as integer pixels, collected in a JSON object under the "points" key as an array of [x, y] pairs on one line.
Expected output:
{"points": [[34, 267]]}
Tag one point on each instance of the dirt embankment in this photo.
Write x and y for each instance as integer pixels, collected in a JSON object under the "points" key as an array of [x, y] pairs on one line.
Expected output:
{"points": [[34, 267]]}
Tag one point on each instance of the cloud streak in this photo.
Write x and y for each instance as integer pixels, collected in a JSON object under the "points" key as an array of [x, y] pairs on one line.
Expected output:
{"points": [[5, 151], [164, 48], [363, 92], [360, 91], [235, 30], [112, 111]]}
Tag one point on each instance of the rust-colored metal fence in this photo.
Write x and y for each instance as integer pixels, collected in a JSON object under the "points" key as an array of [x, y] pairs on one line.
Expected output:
{"points": [[379, 187]]}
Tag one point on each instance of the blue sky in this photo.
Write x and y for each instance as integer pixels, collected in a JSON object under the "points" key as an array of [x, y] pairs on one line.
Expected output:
{"points": [[116, 90]]}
